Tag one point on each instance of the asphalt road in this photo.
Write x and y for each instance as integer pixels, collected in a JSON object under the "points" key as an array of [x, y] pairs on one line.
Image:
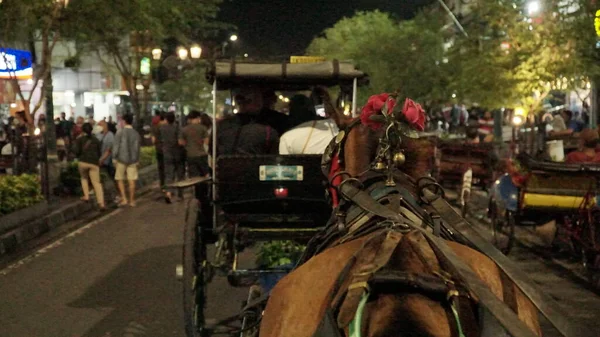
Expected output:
{"points": [[113, 277], [116, 277]]}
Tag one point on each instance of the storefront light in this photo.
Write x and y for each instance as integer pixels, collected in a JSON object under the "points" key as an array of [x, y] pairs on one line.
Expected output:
{"points": [[117, 100]]}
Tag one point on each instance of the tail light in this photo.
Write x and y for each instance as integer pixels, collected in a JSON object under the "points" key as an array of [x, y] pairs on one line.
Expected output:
{"points": [[280, 192]]}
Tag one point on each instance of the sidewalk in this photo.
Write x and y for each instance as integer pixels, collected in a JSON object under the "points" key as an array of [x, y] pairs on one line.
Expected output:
{"points": [[33, 222]]}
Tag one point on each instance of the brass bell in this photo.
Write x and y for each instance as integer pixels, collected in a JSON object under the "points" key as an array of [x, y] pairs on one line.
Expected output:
{"points": [[399, 159], [380, 166]]}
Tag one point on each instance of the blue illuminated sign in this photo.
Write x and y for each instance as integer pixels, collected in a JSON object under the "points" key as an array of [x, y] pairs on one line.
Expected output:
{"points": [[15, 64]]}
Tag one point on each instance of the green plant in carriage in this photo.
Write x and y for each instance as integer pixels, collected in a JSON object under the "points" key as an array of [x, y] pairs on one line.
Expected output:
{"points": [[18, 192], [278, 253]]}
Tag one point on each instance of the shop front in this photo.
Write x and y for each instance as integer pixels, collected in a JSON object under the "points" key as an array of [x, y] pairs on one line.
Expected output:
{"points": [[14, 65]]}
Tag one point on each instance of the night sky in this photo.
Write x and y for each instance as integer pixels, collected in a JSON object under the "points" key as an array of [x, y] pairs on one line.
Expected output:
{"points": [[286, 27]]}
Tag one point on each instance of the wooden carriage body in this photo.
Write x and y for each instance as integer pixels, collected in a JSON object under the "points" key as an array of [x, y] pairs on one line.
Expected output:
{"points": [[454, 158]]}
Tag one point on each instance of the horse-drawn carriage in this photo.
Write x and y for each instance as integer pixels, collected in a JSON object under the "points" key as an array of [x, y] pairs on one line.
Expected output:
{"points": [[461, 165], [551, 191], [378, 262], [254, 198]]}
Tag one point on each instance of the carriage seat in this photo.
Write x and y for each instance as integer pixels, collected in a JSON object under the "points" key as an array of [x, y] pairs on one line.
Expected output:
{"points": [[290, 185], [558, 185]]}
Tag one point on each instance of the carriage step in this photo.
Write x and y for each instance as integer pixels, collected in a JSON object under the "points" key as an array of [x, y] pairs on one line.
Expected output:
{"points": [[179, 272], [249, 277]]}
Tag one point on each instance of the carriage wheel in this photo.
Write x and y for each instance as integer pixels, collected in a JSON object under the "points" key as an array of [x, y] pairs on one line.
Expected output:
{"points": [[194, 268], [591, 255], [250, 327], [503, 227]]}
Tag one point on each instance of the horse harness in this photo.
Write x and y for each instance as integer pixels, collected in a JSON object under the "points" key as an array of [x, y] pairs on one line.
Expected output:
{"points": [[459, 283], [366, 273]]}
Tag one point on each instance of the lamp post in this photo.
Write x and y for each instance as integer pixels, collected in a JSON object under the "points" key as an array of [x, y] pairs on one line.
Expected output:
{"points": [[194, 52], [232, 38]]}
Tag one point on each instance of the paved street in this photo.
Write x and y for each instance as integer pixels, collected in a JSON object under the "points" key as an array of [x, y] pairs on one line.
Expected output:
{"points": [[558, 274], [115, 277]]}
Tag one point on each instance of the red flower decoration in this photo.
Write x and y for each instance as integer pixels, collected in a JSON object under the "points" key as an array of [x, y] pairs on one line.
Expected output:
{"points": [[414, 114], [373, 107]]}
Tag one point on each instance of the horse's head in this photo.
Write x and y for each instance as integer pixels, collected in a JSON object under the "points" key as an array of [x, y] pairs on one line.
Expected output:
{"points": [[384, 137]]}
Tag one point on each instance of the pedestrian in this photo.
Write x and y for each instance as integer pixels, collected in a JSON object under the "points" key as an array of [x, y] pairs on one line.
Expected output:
{"points": [[126, 154], [156, 140], [87, 149], [193, 137], [77, 128], [107, 139], [112, 126], [486, 127], [173, 153]]}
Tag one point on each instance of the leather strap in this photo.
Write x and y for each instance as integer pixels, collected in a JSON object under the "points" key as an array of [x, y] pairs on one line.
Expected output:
{"points": [[359, 281], [543, 302], [503, 313]]}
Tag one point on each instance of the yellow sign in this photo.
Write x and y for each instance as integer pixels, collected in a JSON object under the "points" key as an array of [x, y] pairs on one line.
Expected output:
{"points": [[597, 22], [306, 59]]}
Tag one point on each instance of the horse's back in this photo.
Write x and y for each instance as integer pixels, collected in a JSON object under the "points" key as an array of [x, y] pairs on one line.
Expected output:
{"points": [[298, 302]]}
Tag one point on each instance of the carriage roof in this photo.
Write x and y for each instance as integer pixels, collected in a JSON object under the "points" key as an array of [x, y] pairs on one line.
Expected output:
{"points": [[284, 76]]}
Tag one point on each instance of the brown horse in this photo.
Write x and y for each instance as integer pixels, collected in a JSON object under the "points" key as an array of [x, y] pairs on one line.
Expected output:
{"points": [[300, 300]]}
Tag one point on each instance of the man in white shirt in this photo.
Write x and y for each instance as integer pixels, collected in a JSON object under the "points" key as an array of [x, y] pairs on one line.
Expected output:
{"points": [[310, 137]]}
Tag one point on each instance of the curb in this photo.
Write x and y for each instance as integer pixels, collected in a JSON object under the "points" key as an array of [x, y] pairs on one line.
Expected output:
{"points": [[11, 241]]}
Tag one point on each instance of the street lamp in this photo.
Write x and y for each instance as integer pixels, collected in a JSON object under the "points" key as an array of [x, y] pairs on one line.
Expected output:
{"points": [[195, 51], [156, 54], [533, 7], [182, 53], [233, 38]]}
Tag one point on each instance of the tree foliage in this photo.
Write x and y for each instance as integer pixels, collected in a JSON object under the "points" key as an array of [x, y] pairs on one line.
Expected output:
{"points": [[21, 24], [398, 56], [508, 58], [191, 88], [105, 28]]}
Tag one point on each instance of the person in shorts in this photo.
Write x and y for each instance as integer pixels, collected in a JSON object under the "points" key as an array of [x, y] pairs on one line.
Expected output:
{"points": [[126, 154]]}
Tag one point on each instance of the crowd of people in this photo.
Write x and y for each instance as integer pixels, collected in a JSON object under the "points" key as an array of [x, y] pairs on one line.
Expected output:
{"points": [[115, 152], [259, 129]]}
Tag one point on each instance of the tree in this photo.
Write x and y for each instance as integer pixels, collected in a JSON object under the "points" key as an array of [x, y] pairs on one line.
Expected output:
{"points": [[107, 28], [515, 58], [404, 56], [23, 23], [191, 88]]}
